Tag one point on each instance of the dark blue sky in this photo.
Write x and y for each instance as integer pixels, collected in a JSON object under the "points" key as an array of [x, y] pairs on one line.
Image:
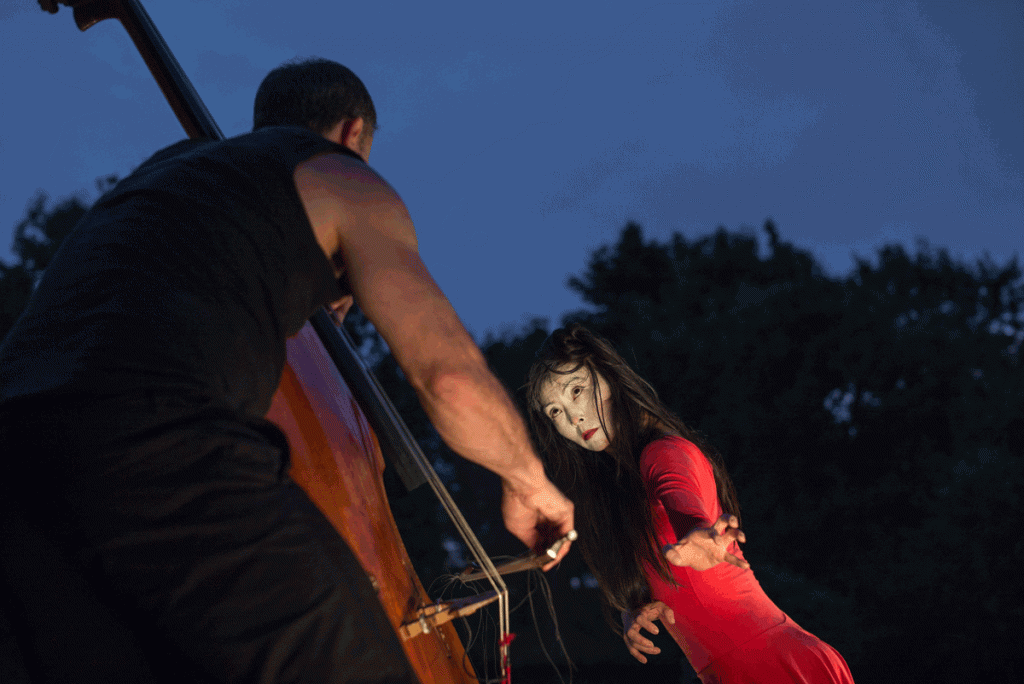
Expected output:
{"points": [[525, 135]]}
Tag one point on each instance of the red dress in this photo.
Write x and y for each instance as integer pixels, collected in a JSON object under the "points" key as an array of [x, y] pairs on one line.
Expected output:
{"points": [[729, 629]]}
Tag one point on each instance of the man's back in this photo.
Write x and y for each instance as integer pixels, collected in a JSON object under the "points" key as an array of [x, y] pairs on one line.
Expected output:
{"points": [[185, 278]]}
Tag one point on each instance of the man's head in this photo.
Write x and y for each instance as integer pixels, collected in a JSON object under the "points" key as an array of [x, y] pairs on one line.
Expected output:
{"points": [[315, 93]]}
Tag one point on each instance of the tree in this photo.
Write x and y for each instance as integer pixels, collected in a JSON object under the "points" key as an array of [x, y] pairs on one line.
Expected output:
{"points": [[37, 237], [873, 424]]}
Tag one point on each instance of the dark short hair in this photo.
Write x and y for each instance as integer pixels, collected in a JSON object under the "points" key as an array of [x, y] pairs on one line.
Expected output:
{"points": [[314, 93]]}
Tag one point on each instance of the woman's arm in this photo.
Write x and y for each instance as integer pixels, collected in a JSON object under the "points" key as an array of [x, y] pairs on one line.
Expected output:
{"points": [[681, 478], [705, 547], [702, 549]]}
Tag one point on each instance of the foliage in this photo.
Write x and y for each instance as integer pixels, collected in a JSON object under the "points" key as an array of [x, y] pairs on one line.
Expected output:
{"points": [[36, 239]]}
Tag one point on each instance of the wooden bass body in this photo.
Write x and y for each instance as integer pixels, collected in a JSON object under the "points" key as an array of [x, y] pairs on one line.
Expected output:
{"points": [[336, 459]]}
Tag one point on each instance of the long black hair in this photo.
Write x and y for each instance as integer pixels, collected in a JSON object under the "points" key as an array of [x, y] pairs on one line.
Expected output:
{"points": [[615, 523]]}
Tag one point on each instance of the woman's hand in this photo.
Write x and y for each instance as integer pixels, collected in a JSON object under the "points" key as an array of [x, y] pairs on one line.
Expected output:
{"points": [[643, 618], [706, 547]]}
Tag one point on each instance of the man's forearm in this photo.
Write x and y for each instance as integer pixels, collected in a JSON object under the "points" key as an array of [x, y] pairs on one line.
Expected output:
{"points": [[474, 415]]}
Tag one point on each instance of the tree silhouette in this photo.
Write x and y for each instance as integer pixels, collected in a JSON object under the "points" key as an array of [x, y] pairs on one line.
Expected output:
{"points": [[36, 239]]}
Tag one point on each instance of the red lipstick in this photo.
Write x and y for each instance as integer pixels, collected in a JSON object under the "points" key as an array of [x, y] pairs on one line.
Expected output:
{"points": [[589, 433]]}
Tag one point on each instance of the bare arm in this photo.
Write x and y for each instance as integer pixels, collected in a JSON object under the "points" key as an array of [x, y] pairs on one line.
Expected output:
{"points": [[683, 481], [358, 217]]}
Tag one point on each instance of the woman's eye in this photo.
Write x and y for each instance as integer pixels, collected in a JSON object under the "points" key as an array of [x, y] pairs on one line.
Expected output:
{"points": [[576, 390], [552, 413]]}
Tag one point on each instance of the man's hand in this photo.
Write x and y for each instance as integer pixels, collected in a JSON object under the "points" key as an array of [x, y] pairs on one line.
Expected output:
{"points": [[706, 547], [538, 518], [342, 306], [643, 618]]}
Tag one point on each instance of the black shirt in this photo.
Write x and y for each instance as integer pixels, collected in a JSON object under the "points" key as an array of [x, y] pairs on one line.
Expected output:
{"points": [[185, 278]]}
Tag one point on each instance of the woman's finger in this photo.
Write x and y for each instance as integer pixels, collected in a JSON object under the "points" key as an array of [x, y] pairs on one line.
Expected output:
{"points": [[725, 522], [731, 535], [646, 623], [653, 608], [737, 561], [642, 644], [645, 645], [635, 635], [639, 656]]}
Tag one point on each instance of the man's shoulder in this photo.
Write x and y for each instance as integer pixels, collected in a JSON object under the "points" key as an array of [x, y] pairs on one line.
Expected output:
{"points": [[291, 137], [268, 139], [257, 154], [345, 178], [270, 134]]}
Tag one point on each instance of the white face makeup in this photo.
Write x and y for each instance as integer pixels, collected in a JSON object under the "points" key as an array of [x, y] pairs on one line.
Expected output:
{"points": [[571, 403]]}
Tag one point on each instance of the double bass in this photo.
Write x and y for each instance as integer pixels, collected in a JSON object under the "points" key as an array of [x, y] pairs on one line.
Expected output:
{"points": [[340, 425]]}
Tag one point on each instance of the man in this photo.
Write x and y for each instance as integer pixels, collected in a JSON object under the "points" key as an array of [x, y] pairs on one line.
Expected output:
{"points": [[158, 537]]}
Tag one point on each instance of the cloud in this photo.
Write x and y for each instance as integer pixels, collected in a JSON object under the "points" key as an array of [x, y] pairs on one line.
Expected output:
{"points": [[588, 178], [883, 73], [859, 120]]}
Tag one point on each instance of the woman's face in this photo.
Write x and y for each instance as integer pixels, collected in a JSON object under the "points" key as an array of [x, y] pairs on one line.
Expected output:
{"points": [[570, 401]]}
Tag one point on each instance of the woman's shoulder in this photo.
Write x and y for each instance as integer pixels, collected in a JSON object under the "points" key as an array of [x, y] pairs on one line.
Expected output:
{"points": [[671, 460], [670, 446]]}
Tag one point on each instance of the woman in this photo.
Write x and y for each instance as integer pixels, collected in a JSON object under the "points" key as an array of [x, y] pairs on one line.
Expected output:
{"points": [[658, 520]]}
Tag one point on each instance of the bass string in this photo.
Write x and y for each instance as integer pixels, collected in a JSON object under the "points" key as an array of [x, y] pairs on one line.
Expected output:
{"points": [[536, 581], [447, 502]]}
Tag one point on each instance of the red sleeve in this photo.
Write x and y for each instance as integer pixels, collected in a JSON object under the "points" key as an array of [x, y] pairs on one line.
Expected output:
{"points": [[678, 475]]}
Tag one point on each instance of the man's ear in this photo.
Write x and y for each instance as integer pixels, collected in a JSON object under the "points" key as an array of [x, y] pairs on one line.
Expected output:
{"points": [[351, 133]]}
